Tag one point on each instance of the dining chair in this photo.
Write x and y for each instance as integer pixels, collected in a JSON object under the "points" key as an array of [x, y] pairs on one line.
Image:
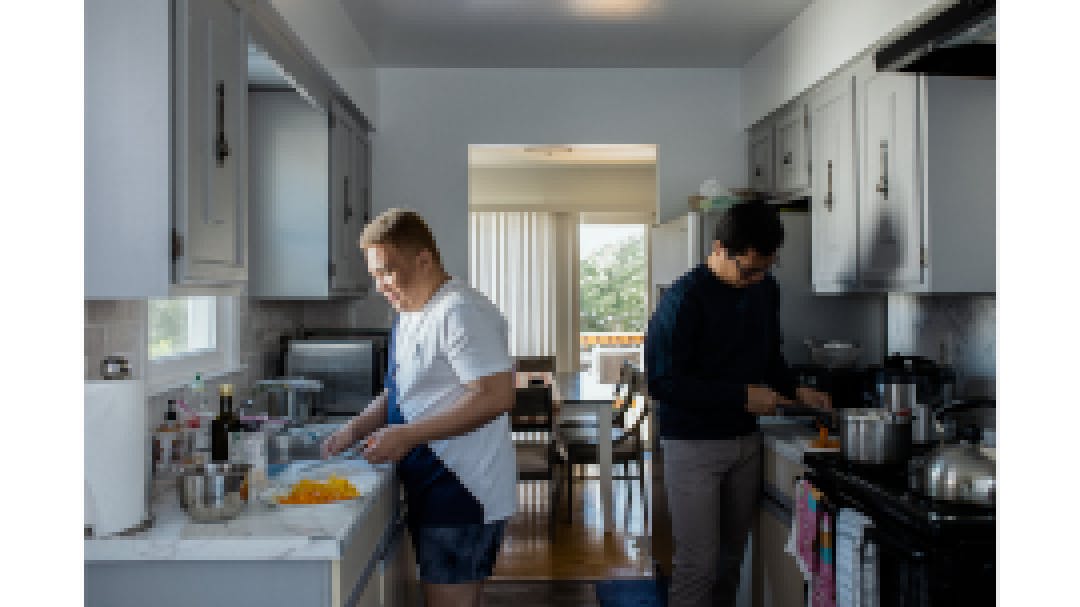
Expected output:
{"points": [[538, 457], [580, 445], [534, 364]]}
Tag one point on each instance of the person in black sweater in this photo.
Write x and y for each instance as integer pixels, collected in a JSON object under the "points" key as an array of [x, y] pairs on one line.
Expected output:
{"points": [[714, 364]]}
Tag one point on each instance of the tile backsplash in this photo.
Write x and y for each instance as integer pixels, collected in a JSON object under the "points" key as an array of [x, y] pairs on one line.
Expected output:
{"points": [[120, 327], [114, 327], [956, 329]]}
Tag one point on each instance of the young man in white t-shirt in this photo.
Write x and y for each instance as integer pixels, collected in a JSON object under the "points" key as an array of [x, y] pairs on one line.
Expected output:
{"points": [[442, 418]]}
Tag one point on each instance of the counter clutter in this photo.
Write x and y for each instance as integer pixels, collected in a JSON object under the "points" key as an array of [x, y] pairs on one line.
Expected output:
{"points": [[348, 552], [259, 532]]}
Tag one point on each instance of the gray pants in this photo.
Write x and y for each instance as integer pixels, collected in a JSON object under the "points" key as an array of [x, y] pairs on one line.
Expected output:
{"points": [[713, 489]]}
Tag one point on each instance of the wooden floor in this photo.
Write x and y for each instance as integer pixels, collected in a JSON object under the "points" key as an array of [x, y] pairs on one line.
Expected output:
{"points": [[580, 551], [509, 593]]}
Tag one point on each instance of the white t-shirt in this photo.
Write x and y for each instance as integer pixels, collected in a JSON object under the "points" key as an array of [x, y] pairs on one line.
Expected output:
{"points": [[458, 337]]}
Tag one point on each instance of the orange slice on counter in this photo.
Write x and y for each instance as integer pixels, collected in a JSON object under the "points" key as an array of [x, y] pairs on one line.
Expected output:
{"points": [[306, 491]]}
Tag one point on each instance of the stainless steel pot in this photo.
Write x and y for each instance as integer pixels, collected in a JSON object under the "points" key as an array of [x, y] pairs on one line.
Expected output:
{"points": [[923, 424], [211, 492], [960, 473], [875, 436]]}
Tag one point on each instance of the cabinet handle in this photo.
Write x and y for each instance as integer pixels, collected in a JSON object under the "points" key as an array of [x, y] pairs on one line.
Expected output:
{"points": [[757, 171], [883, 182], [829, 195], [348, 207], [221, 145], [787, 158]]}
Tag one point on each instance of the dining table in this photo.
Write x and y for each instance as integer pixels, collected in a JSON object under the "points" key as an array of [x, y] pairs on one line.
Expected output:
{"points": [[578, 393]]}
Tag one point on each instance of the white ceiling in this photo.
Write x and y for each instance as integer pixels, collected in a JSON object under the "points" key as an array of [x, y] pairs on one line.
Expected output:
{"points": [[568, 33]]}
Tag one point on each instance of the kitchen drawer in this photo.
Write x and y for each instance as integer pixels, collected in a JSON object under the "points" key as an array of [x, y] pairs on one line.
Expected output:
{"points": [[777, 579], [781, 473]]}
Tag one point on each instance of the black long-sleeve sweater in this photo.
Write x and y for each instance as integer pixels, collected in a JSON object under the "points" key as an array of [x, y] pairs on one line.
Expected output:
{"points": [[706, 341]]}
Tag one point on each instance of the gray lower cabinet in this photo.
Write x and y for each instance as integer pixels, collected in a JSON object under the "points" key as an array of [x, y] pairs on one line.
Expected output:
{"points": [[777, 579]]}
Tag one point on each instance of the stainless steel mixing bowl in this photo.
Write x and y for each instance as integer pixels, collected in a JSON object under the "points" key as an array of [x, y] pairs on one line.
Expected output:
{"points": [[211, 492]]}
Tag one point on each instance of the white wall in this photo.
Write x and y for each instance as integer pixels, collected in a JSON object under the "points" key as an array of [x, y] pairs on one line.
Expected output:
{"points": [[328, 32], [428, 117], [826, 35]]}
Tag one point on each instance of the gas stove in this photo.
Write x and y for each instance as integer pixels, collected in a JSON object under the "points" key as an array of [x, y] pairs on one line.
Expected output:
{"points": [[883, 489], [932, 553]]}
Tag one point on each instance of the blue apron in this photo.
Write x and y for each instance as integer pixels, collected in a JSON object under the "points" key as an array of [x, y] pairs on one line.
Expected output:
{"points": [[433, 493]]}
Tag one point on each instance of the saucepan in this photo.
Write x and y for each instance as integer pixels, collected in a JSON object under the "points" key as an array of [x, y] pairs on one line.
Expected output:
{"points": [[875, 436]]}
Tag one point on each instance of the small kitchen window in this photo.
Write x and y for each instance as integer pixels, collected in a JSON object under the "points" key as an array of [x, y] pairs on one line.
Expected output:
{"points": [[189, 335]]}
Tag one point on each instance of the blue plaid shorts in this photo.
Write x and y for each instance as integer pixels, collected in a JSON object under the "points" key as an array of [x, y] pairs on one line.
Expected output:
{"points": [[457, 554]]}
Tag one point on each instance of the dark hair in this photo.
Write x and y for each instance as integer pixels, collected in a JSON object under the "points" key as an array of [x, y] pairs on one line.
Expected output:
{"points": [[750, 225], [403, 229]]}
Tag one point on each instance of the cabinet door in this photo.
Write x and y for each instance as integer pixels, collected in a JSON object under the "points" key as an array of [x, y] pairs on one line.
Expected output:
{"points": [[891, 229], [210, 131], [341, 185], [833, 192], [792, 164], [761, 158], [361, 211]]}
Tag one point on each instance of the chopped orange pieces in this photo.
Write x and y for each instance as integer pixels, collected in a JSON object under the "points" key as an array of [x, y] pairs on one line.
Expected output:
{"points": [[333, 489], [823, 441]]}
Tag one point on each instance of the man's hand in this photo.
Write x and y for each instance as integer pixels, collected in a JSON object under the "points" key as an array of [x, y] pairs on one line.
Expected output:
{"points": [[338, 441], [812, 398], [762, 400], [389, 444]]}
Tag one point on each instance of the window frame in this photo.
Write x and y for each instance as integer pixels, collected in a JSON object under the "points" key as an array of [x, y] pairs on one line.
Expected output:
{"points": [[169, 372]]}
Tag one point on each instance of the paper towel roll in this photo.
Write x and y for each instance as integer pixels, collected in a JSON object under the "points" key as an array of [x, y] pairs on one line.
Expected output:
{"points": [[116, 455]]}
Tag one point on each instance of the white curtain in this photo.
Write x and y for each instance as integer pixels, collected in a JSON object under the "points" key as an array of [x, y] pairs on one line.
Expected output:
{"points": [[513, 260]]}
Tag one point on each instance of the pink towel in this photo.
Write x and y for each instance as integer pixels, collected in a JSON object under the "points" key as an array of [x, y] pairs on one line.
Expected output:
{"points": [[824, 586], [806, 521]]}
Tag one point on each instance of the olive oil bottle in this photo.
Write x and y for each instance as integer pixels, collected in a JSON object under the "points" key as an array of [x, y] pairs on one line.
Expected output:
{"points": [[222, 425]]}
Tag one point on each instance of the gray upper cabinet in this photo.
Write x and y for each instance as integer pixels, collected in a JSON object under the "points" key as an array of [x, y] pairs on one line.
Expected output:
{"points": [[891, 219], [308, 198], [792, 160], [927, 165], [834, 190], [211, 143], [761, 157], [165, 148], [902, 186], [350, 204]]}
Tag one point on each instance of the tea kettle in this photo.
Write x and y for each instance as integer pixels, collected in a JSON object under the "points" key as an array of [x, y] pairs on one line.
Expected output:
{"points": [[957, 473]]}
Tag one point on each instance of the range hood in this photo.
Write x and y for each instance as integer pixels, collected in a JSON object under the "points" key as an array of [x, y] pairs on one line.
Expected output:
{"points": [[958, 41]]}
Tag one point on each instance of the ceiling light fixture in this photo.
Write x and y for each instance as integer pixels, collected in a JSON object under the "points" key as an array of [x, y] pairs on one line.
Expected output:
{"points": [[611, 9]]}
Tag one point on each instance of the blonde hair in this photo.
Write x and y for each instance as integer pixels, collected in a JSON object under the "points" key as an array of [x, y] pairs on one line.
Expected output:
{"points": [[402, 229]]}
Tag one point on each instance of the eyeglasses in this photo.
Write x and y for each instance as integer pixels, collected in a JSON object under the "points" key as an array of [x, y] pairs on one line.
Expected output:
{"points": [[749, 273]]}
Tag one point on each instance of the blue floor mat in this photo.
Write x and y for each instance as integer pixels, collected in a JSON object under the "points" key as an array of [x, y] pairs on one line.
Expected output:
{"points": [[632, 593]]}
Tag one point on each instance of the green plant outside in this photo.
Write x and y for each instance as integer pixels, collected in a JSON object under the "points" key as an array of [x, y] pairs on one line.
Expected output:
{"points": [[613, 287]]}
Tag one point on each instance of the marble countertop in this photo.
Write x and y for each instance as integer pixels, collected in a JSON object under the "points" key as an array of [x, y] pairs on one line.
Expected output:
{"points": [[260, 532]]}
